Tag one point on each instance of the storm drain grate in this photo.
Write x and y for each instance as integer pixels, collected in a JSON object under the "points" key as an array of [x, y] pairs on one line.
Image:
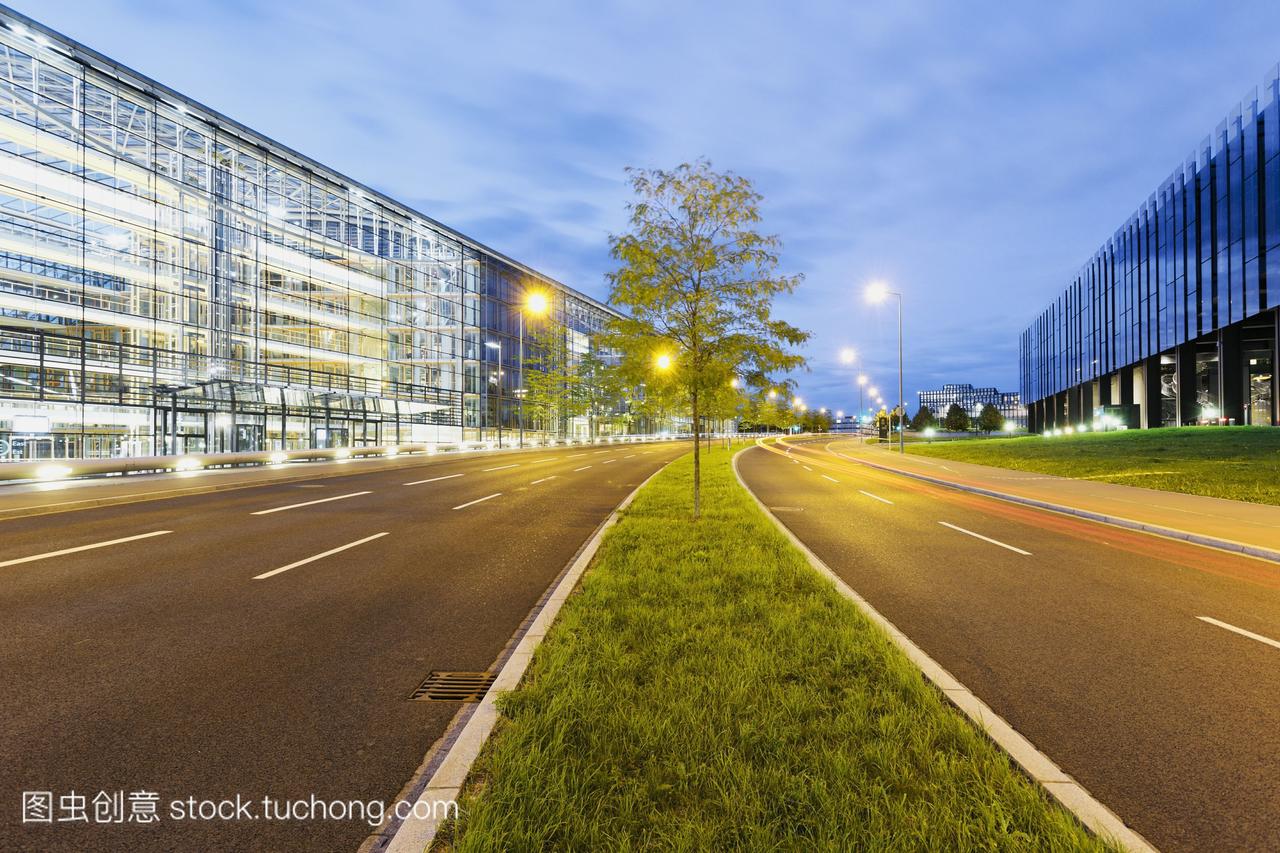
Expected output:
{"points": [[455, 686]]}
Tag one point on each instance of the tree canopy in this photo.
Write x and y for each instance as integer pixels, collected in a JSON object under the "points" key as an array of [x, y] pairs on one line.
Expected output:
{"points": [[990, 419], [698, 281], [957, 419]]}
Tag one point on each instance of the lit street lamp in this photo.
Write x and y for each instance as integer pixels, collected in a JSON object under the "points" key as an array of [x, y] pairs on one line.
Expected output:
{"points": [[876, 294], [535, 303]]}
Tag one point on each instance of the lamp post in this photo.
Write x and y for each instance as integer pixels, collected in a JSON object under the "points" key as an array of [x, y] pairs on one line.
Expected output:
{"points": [[497, 345], [877, 293], [862, 384], [535, 303]]}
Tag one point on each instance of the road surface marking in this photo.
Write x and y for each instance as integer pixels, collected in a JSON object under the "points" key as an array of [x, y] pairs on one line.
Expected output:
{"points": [[987, 539], [48, 554], [877, 498], [629, 457], [1241, 631], [583, 468], [598, 452], [319, 556], [501, 467], [433, 480], [543, 480], [806, 467], [575, 455], [832, 479], [488, 497], [309, 503], [607, 461], [548, 459], [795, 461]]}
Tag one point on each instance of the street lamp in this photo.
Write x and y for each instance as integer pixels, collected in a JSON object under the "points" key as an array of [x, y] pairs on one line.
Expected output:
{"points": [[773, 394], [537, 304], [662, 361], [877, 293], [848, 355], [495, 345]]}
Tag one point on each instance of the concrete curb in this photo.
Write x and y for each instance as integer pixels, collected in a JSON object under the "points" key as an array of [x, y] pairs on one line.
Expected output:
{"points": [[415, 834], [1042, 769], [1116, 520]]}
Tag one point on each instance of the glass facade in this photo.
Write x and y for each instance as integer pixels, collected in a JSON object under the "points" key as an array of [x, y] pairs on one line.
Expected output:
{"points": [[1161, 317], [171, 281], [972, 400]]}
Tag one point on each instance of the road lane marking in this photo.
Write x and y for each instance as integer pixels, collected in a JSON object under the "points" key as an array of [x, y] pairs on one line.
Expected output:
{"points": [[832, 479], [1241, 631], [479, 500], [501, 467], [330, 552], [433, 479], [987, 539], [543, 480], [309, 503], [575, 455], [806, 467], [632, 456], [548, 459], [598, 452], [78, 548], [608, 461], [795, 461], [583, 468], [877, 498]]}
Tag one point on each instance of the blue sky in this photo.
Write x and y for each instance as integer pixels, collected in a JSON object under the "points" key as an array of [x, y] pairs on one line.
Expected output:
{"points": [[972, 154]]}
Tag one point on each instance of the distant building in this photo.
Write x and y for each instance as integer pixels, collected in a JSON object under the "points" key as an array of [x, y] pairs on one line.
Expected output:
{"points": [[973, 399]]}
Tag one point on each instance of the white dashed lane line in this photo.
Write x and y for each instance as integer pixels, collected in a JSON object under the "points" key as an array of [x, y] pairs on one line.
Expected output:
{"points": [[433, 480], [330, 552], [479, 500], [79, 548], [1241, 631], [986, 539], [309, 503], [876, 497]]}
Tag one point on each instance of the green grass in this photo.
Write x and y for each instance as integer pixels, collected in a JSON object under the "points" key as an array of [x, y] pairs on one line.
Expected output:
{"points": [[1240, 463], [706, 689]]}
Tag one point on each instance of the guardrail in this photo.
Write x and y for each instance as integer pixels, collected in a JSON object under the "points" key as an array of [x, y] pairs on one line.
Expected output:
{"points": [[61, 469]]}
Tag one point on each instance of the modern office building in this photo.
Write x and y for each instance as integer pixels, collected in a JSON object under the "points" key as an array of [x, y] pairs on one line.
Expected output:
{"points": [[972, 400], [172, 281], [1174, 320]]}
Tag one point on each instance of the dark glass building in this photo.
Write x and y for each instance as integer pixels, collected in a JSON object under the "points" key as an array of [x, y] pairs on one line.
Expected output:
{"points": [[172, 281], [1174, 320]]}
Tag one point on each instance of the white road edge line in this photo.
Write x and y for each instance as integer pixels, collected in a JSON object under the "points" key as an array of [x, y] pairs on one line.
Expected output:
{"points": [[79, 548], [543, 480], [309, 503], [1040, 767], [583, 468], [433, 479], [876, 497], [986, 539], [832, 479], [1241, 631], [416, 832], [501, 467], [330, 552], [479, 500]]}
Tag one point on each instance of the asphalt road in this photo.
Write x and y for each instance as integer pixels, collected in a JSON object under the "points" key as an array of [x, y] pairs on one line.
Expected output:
{"points": [[212, 659], [1090, 640]]}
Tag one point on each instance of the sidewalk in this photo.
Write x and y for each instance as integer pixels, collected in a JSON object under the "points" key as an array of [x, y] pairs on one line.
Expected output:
{"points": [[1250, 525]]}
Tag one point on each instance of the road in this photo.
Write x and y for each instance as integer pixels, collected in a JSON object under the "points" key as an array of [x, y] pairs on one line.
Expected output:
{"points": [[264, 641], [1091, 640]]}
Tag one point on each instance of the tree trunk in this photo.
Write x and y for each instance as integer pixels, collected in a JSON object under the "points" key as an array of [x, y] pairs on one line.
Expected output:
{"points": [[697, 462]]}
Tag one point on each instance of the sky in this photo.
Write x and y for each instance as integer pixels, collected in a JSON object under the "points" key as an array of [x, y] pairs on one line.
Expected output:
{"points": [[973, 155]]}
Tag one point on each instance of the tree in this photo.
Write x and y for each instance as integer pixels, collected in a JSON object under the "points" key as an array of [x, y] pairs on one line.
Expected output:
{"points": [[923, 419], [698, 281], [551, 384], [957, 419], [990, 419]]}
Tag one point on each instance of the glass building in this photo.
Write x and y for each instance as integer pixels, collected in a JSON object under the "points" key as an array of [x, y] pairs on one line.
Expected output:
{"points": [[172, 281], [1174, 320], [972, 400]]}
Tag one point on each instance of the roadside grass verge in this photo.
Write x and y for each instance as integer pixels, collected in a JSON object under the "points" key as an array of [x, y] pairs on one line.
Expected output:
{"points": [[1239, 463], [706, 689]]}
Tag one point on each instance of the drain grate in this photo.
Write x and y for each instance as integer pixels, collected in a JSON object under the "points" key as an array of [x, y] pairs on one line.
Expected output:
{"points": [[454, 686]]}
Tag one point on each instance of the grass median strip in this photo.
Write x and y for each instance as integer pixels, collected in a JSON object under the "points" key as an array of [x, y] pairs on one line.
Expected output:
{"points": [[705, 688], [1239, 463]]}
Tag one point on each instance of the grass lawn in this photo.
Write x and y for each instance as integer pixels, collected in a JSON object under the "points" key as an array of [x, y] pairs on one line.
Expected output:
{"points": [[1241, 463], [706, 689]]}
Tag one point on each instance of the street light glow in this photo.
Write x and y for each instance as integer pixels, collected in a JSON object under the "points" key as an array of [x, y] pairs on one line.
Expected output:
{"points": [[536, 303], [773, 395], [662, 361], [873, 392], [877, 292], [862, 379], [848, 355]]}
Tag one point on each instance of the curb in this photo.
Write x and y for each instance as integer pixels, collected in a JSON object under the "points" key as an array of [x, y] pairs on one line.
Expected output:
{"points": [[1115, 520], [415, 834], [1071, 794]]}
